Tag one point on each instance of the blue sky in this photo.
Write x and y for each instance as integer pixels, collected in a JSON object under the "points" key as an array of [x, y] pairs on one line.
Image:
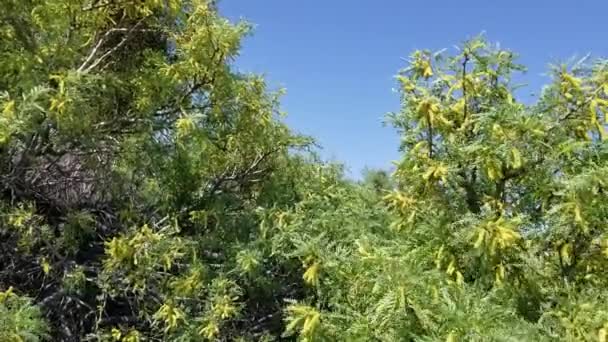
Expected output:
{"points": [[337, 58]]}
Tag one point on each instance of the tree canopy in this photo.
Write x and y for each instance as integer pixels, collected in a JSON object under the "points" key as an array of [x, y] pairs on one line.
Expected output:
{"points": [[149, 191]]}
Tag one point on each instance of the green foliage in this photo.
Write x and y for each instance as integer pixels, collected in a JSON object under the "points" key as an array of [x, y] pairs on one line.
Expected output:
{"points": [[20, 320], [134, 162], [149, 191], [494, 230], [379, 180], [492, 190]]}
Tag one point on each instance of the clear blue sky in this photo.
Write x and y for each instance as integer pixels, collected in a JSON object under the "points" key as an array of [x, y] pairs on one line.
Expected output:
{"points": [[337, 58]]}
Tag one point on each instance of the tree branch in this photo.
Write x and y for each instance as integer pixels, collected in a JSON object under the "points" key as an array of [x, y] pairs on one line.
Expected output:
{"points": [[464, 86], [85, 67]]}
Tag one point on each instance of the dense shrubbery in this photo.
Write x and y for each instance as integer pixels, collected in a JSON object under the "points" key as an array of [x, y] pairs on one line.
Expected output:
{"points": [[150, 192]]}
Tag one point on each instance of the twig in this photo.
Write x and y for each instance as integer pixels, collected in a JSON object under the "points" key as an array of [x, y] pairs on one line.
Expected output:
{"points": [[85, 69], [464, 86]]}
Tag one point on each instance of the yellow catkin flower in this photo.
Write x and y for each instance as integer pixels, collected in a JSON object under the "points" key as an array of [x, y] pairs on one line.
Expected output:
{"points": [[481, 234], [170, 315], [458, 107], [46, 266], [506, 236], [132, 336], [436, 172], [516, 161], [311, 275], [6, 294], [602, 334], [451, 268], [116, 334], [565, 253], [303, 316], [500, 274], [311, 323], [578, 217], [494, 172], [9, 108], [184, 126], [209, 330], [459, 278], [427, 70]]}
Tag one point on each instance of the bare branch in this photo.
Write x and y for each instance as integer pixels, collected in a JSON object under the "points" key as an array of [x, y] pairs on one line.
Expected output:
{"points": [[85, 67]]}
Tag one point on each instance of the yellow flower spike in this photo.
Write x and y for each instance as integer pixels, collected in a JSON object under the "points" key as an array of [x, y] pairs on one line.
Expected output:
{"points": [[481, 235], [500, 274], [225, 309], [170, 315], [311, 323], [418, 146], [411, 217], [402, 297], [459, 278], [571, 80], [132, 336], [506, 236], [427, 107], [304, 317], [399, 200], [441, 172], [435, 294], [516, 160], [436, 172], [565, 253], [46, 266], [9, 108], [439, 257], [451, 337], [428, 72], [593, 106], [458, 107], [311, 276], [116, 334], [434, 108], [6, 294], [577, 213], [406, 83], [451, 268], [184, 126], [427, 175], [210, 330], [281, 219], [493, 170]]}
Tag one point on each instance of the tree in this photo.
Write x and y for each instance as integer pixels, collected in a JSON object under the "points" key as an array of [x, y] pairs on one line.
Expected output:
{"points": [[498, 219], [377, 179], [507, 196], [134, 158]]}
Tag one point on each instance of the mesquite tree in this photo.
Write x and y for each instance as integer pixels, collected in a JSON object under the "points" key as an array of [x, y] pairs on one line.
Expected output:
{"points": [[133, 159]]}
